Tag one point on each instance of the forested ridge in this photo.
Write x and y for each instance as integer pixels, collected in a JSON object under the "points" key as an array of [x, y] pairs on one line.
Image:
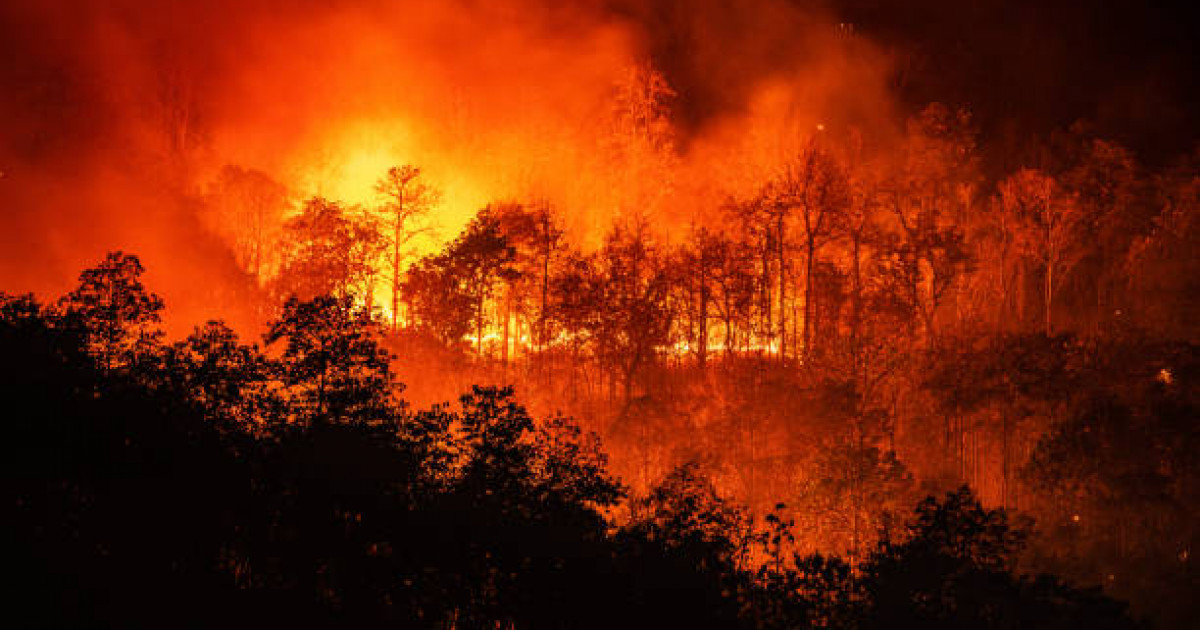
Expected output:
{"points": [[865, 325], [883, 393], [210, 481], [650, 313]]}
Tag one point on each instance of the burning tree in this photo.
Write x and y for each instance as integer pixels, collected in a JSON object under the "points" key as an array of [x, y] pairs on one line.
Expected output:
{"points": [[451, 292], [617, 299], [328, 251], [436, 301], [537, 242], [815, 185], [248, 211], [930, 198], [484, 260], [407, 201], [640, 145], [1047, 229]]}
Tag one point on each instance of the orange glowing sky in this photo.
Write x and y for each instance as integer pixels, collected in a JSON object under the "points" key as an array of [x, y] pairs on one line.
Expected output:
{"points": [[115, 116]]}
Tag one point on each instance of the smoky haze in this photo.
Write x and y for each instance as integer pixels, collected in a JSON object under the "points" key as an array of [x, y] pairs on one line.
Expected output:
{"points": [[116, 116]]}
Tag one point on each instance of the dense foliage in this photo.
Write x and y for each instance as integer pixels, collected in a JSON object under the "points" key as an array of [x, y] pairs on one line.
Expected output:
{"points": [[210, 482]]}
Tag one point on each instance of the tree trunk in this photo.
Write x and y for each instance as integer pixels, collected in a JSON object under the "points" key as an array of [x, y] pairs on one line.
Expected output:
{"points": [[728, 332], [765, 296], [397, 228], [1049, 297], [542, 314], [507, 318], [703, 319], [782, 290], [811, 248], [856, 308], [1004, 456], [479, 327]]}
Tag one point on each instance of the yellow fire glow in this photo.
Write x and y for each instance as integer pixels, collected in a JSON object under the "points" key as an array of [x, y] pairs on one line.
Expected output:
{"points": [[347, 163]]}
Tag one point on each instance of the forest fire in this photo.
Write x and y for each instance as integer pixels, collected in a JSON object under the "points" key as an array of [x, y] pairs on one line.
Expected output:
{"points": [[757, 315]]}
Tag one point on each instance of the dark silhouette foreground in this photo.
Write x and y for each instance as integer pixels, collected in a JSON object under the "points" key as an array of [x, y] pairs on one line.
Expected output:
{"points": [[212, 483]]}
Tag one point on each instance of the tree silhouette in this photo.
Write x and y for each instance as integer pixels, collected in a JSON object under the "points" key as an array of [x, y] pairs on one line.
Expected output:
{"points": [[857, 494], [229, 381], [327, 251], [248, 211], [815, 186], [686, 540], [437, 300], [120, 316], [482, 259], [640, 147], [537, 241], [293, 484], [930, 198], [953, 571], [618, 299], [407, 203], [1048, 229], [332, 362], [451, 291]]}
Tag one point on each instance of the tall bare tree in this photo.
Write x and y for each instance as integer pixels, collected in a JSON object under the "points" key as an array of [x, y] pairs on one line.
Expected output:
{"points": [[824, 198], [248, 209], [1048, 228], [537, 241], [931, 196], [407, 203], [640, 145]]}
